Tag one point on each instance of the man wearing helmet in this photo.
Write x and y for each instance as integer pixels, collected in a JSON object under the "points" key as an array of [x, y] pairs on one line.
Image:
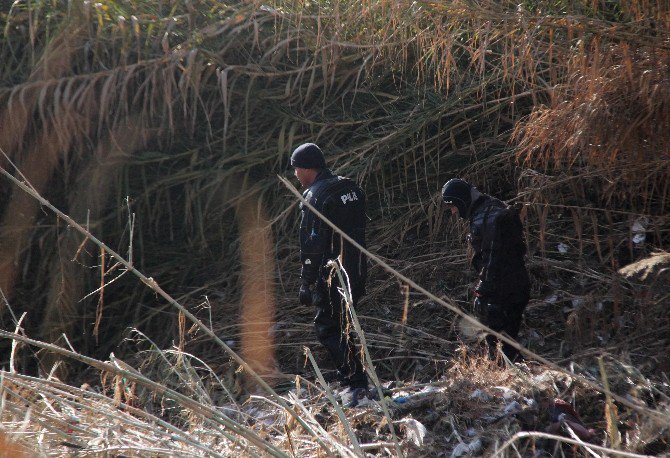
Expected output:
{"points": [[496, 237], [342, 202]]}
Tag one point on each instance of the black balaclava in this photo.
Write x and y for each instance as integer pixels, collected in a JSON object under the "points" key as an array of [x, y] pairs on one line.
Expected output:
{"points": [[459, 193], [308, 156]]}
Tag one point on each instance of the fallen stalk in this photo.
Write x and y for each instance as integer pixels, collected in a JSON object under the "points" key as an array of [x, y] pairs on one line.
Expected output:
{"points": [[151, 283], [368, 358], [123, 369], [338, 409], [60, 390]]}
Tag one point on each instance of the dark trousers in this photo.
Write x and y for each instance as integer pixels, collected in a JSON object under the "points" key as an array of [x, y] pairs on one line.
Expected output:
{"points": [[503, 318], [333, 331]]}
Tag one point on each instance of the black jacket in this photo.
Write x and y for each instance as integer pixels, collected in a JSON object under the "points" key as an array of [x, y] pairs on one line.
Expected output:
{"points": [[342, 201], [496, 236]]}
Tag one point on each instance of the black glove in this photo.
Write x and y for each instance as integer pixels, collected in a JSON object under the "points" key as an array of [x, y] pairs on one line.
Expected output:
{"points": [[318, 295], [484, 289], [497, 316], [305, 294], [480, 308], [491, 314]]}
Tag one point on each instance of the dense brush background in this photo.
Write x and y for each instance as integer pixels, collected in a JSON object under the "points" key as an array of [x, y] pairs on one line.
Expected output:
{"points": [[162, 127]]}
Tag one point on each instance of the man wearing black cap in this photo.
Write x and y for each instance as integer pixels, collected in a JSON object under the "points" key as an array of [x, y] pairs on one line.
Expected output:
{"points": [[342, 202], [496, 237]]}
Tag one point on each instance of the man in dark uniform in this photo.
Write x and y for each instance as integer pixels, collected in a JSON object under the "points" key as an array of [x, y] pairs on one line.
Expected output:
{"points": [[342, 201], [496, 237]]}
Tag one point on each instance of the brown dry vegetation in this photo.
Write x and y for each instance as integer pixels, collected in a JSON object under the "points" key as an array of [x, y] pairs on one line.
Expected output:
{"points": [[161, 128]]}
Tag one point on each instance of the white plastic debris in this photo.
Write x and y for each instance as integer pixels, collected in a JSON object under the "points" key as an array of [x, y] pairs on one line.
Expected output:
{"points": [[551, 299], [562, 248], [463, 449], [638, 230], [536, 337], [542, 378], [460, 450], [531, 403], [512, 408], [297, 393], [577, 302], [268, 9], [508, 394], [429, 389], [415, 431], [476, 446], [266, 418], [365, 402], [480, 395]]}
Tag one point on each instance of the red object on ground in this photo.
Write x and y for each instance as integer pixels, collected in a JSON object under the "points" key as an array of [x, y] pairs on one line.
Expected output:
{"points": [[560, 413]]}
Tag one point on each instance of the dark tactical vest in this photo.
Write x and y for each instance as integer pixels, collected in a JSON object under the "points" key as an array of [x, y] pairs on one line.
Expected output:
{"points": [[342, 201], [496, 237]]}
